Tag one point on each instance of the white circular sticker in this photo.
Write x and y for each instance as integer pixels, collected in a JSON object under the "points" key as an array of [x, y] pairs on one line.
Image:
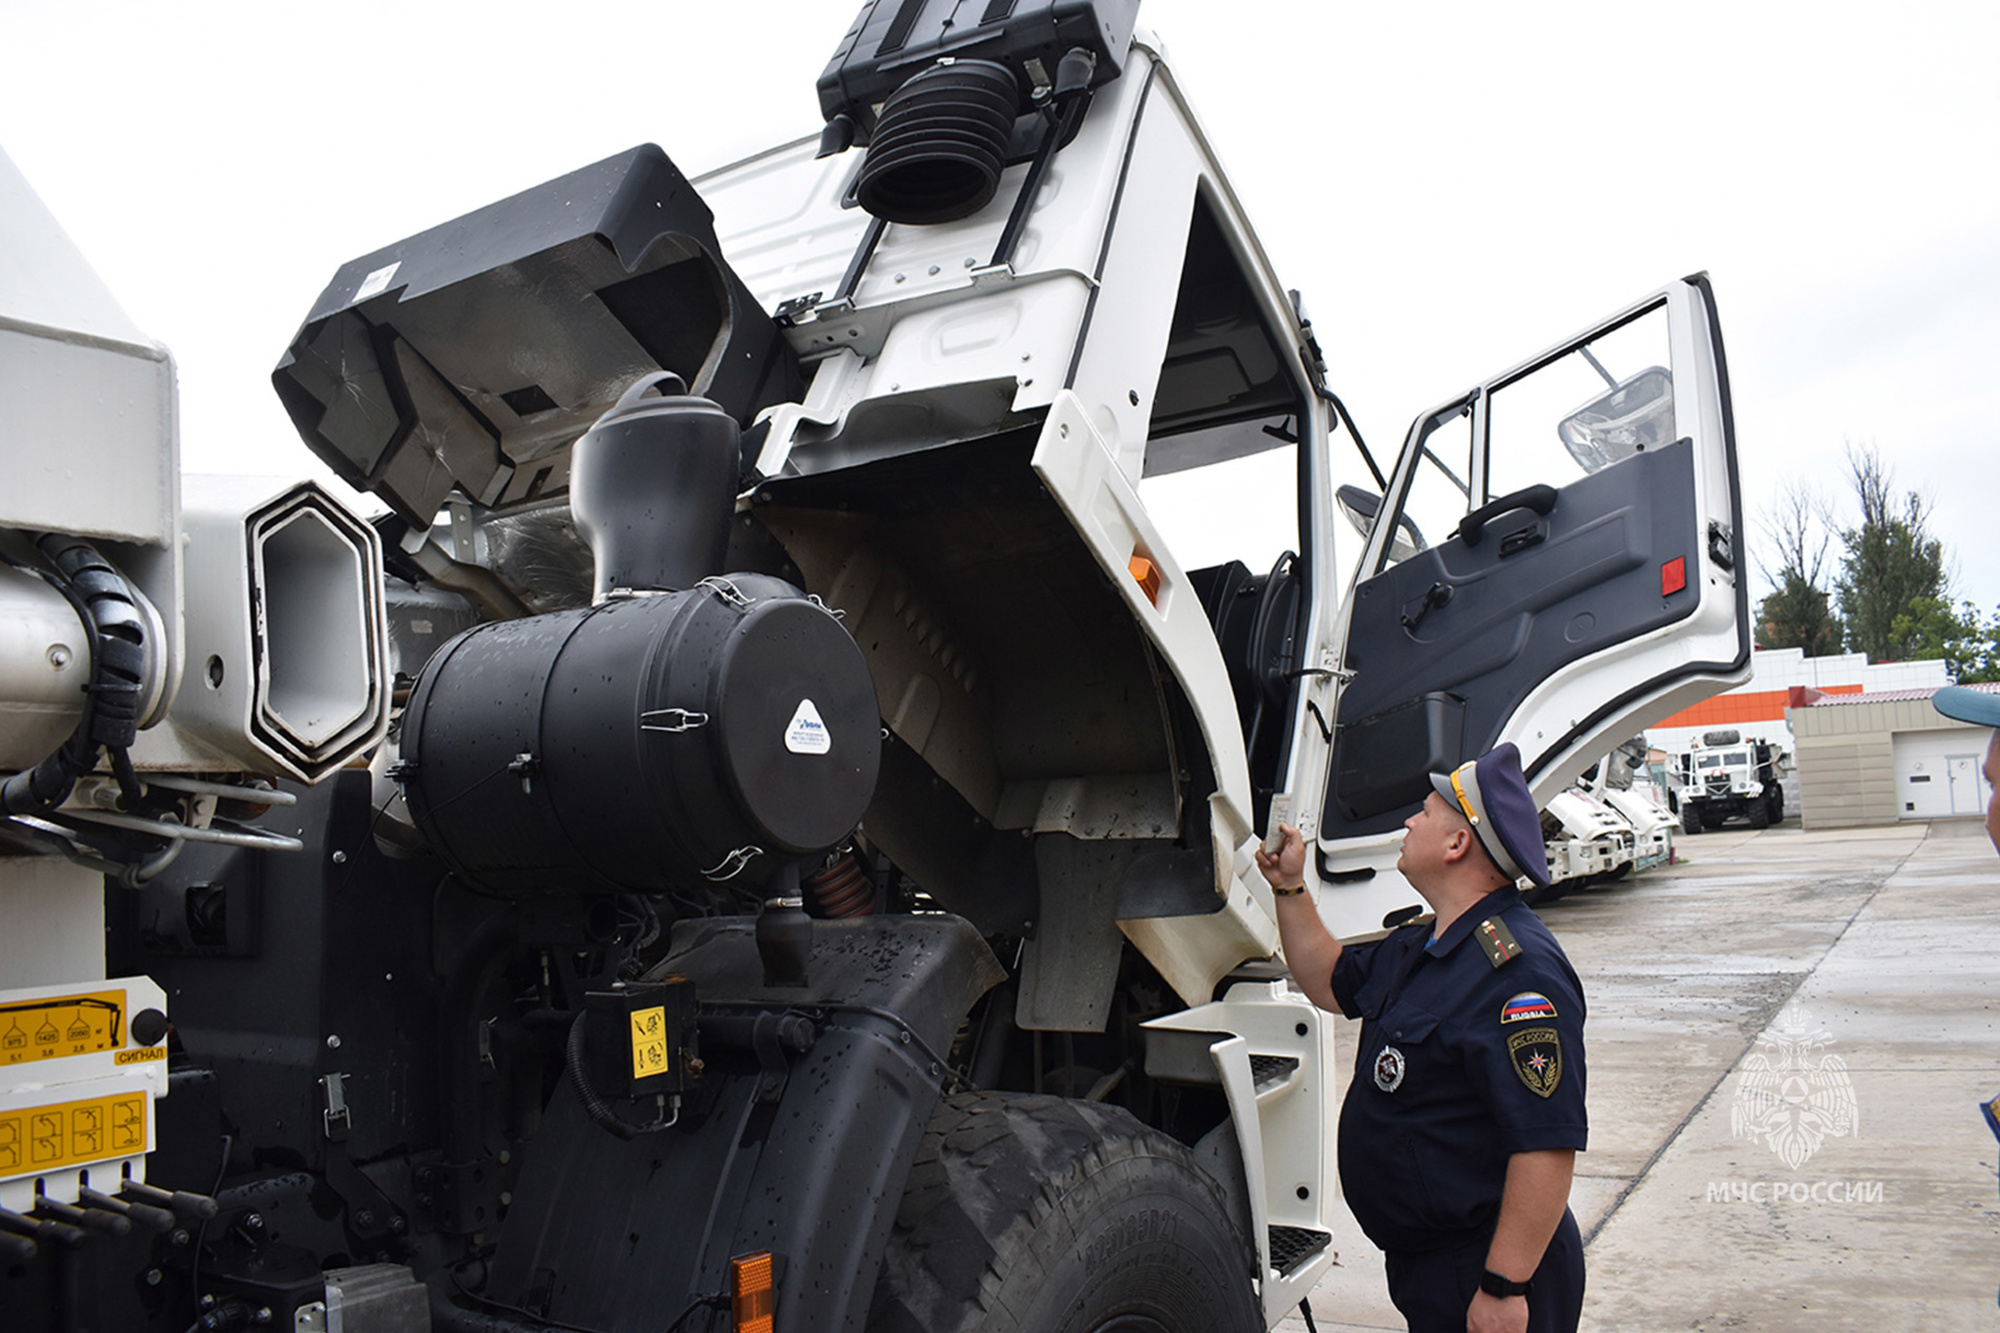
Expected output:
{"points": [[806, 734]]}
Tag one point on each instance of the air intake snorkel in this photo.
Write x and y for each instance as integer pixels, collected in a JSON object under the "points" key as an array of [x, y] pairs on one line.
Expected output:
{"points": [[944, 108]]}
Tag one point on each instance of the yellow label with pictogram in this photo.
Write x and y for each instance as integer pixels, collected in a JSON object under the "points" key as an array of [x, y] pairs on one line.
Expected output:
{"points": [[45, 1138], [61, 1025], [649, 1042]]}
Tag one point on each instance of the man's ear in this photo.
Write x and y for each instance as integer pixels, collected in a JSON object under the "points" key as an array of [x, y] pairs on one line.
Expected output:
{"points": [[1458, 845]]}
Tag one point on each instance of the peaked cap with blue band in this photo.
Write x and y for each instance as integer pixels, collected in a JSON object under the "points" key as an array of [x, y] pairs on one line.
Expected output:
{"points": [[1493, 796]]}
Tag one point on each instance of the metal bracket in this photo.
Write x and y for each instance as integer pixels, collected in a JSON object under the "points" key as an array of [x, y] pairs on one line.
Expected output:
{"points": [[672, 719], [725, 590], [788, 311], [1721, 544], [335, 1115], [732, 865]]}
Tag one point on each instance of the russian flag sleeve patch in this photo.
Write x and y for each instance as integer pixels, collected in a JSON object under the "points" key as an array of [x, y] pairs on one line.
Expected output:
{"points": [[1525, 1006]]}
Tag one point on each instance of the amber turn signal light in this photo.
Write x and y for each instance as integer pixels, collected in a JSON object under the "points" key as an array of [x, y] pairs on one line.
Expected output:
{"points": [[1148, 575], [753, 1300]]}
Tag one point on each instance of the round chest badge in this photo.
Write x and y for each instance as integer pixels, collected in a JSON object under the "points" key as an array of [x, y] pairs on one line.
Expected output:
{"points": [[1389, 1069]]}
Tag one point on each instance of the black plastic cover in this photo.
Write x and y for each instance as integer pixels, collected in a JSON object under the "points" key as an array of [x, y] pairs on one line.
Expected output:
{"points": [[1386, 760], [893, 39], [473, 354]]}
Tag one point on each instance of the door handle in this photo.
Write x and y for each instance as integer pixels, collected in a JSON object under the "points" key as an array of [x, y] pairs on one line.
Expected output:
{"points": [[1540, 498], [1524, 537], [1438, 595]]}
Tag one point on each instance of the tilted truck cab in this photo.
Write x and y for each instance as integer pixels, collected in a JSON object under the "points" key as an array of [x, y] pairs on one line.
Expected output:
{"points": [[849, 619]]}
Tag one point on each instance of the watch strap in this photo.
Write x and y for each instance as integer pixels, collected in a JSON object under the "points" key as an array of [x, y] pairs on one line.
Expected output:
{"points": [[1493, 1284]]}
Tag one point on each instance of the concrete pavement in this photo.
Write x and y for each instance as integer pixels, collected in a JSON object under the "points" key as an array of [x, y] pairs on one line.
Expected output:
{"points": [[1789, 1036]]}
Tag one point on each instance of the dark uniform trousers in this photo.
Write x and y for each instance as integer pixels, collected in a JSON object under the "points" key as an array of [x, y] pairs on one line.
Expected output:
{"points": [[1434, 1288], [1471, 1051]]}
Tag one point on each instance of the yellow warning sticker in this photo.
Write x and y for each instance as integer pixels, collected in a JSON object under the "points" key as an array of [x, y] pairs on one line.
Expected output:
{"points": [[61, 1025], [43, 1138], [138, 1055], [649, 1042]]}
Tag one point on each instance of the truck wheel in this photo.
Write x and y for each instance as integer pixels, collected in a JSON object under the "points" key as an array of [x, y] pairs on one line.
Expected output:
{"points": [[1690, 817], [1760, 813], [1776, 801], [1029, 1214]]}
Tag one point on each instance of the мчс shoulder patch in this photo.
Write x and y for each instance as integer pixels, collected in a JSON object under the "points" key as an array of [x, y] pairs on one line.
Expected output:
{"points": [[1525, 1006], [1498, 941], [1537, 1057]]}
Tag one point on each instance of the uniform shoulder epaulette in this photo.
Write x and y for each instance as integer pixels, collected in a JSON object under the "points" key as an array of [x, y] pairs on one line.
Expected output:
{"points": [[1498, 941]]}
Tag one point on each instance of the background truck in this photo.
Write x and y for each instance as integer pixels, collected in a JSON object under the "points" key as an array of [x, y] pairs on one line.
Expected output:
{"points": [[1725, 777], [756, 831], [1622, 784], [1587, 841]]}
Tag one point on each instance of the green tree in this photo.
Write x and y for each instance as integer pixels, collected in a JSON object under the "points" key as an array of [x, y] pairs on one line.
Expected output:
{"points": [[1798, 613], [1930, 628], [1891, 560]]}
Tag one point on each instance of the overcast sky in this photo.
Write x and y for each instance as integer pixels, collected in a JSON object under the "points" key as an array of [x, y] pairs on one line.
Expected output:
{"points": [[1452, 185]]}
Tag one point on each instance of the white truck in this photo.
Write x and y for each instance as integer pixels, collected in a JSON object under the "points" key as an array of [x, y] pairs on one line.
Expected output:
{"points": [[1723, 777], [1587, 841], [775, 854]]}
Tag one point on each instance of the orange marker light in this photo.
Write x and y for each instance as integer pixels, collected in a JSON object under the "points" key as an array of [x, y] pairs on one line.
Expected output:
{"points": [[753, 1301], [1148, 575]]}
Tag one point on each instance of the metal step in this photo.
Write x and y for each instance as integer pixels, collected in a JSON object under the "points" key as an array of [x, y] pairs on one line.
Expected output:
{"points": [[1292, 1246], [1268, 1071]]}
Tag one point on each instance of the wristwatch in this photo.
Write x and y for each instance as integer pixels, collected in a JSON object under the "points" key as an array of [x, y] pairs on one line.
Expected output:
{"points": [[1493, 1284], [1292, 892]]}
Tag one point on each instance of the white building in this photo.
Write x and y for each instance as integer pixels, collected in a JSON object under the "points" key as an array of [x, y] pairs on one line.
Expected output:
{"points": [[1757, 708], [1879, 757]]}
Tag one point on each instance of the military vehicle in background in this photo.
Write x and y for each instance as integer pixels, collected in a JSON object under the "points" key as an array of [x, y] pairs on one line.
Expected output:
{"points": [[1725, 777]]}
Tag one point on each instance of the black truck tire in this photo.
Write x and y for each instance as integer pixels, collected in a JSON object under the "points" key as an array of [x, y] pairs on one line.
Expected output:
{"points": [[1760, 813], [1775, 800], [1028, 1214], [1690, 817]]}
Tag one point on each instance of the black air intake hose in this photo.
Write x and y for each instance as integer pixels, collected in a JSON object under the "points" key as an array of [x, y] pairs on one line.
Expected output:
{"points": [[941, 143], [110, 612]]}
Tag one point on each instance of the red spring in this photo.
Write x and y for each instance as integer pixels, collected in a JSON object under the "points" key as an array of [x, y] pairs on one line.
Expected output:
{"points": [[842, 889]]}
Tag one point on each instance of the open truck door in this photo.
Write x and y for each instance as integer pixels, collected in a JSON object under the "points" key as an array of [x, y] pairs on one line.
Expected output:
{"points": [[1557, 562]]}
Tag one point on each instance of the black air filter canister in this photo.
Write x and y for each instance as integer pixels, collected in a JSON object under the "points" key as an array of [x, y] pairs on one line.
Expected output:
{"points": [[644, 743], [941, 143], [652, 485]]}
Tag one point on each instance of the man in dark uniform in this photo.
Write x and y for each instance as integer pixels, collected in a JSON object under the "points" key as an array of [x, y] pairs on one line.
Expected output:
{"points": [[1460, 1131]]}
